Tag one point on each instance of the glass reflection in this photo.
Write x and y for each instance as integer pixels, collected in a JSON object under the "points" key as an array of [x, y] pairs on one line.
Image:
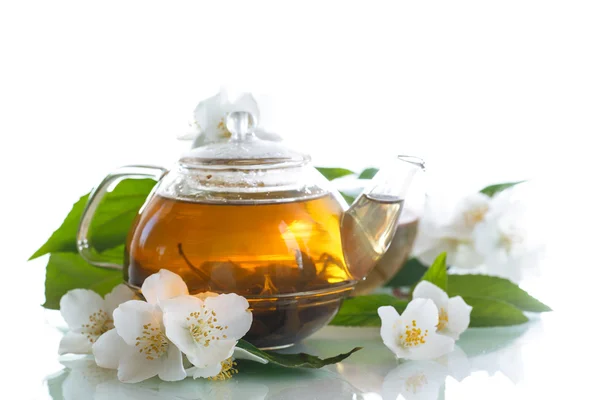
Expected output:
{"points": [[370, 374], [491, 350]]}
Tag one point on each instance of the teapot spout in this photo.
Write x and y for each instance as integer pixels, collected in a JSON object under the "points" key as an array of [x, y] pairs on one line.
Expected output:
{"points": [[369, 225]]}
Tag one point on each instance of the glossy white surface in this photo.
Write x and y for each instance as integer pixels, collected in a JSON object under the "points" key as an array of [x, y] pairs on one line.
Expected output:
{"points": [[515, 362], [554, 354]]}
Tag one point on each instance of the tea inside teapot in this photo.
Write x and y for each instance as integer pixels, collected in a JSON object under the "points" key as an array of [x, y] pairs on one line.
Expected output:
{"points": [[253, 249]]}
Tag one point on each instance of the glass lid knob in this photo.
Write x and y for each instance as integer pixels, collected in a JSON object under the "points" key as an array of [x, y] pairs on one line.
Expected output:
{"points": [[241, 124]]}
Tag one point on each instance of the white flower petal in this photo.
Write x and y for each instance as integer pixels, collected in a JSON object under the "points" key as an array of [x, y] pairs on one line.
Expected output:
{"points": [[487, 237], [131, 316], [470, 211], [176, 311], [459, 317], [232, 314], [108, 348], [134, 367], [466, 256], [201, 371], [204, 295], [75, 343], [423, 312], [77, 305], [163, 285], [435, 346], [177, 321], [206, 372], [176, 314], [172, 365], [427, 290], [450, 230], [182, 305], [429, 249], [217, 351], [390, 320], [207, 115], [179, 334], [120, 294]]}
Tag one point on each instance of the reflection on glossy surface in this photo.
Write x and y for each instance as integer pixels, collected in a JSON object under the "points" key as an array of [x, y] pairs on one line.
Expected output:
{"points": [[83, 379], [372, 373], [419, 380]]}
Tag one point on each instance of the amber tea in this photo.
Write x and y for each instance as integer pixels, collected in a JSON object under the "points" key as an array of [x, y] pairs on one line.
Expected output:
{"points": [[255, 250], [249, 249], [286, 258]]}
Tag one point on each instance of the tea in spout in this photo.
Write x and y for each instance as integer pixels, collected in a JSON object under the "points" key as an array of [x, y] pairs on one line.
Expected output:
{"points": [[368, 226]]}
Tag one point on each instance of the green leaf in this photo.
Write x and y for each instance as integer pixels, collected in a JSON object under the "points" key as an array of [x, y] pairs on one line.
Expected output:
{"points": [[411, 273], [489, 312], [437, 273], [300, 360], [115, 255], [362, 310], [497, 188], [334, 173], [349, 199], [63, 239], [495, 288], [66, 271], [111, 222], [116, 212], [368, 173]]}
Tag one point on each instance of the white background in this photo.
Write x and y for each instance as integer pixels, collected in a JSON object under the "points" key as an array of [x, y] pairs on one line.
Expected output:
{"points": [[484, 91]]}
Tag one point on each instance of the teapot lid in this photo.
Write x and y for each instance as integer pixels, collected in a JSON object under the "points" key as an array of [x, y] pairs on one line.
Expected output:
{"points": [[229, 136], [233, 160]]}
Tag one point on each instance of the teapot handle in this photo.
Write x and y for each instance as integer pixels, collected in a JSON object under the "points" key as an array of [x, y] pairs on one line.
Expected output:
{"points": [[83, 245]]}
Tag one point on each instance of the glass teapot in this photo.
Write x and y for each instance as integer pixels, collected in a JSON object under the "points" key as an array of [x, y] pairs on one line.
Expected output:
{"points": [[253, 217]]}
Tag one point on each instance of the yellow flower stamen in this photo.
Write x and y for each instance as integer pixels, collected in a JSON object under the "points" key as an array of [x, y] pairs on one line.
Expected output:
{"points": [[476, 215], [153, 342], [414, 383], [99, 323], [443, 320], [223, 128], [413, 336], [227, 370], [203, 326]]}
